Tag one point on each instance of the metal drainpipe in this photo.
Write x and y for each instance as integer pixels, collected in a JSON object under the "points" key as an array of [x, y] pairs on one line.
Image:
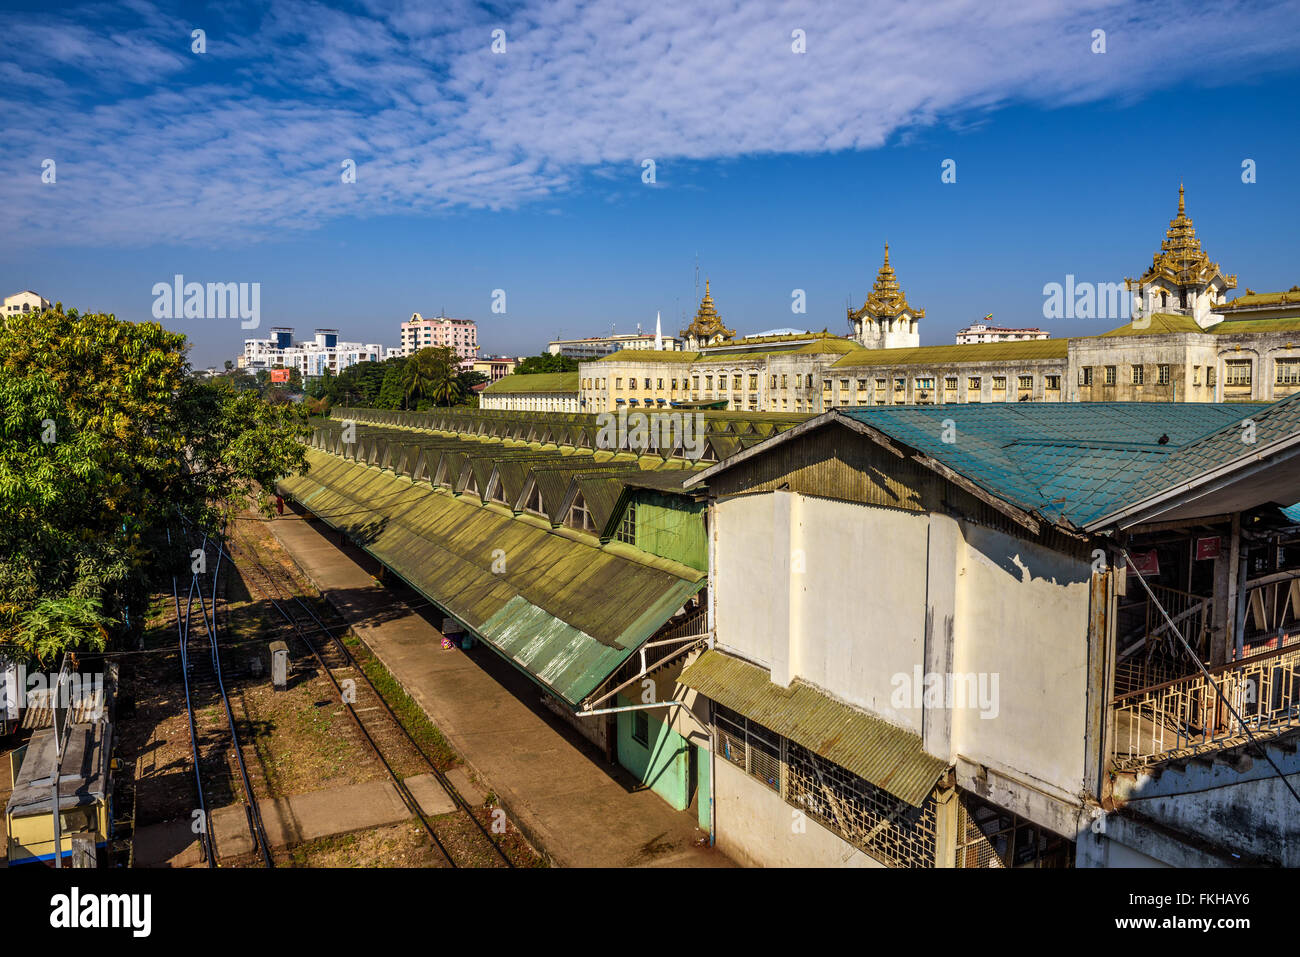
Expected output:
{"points": [[713, 781], [711, 516], [632, 707]]}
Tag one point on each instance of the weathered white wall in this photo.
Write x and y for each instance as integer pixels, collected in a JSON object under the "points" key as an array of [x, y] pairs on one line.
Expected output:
{"points": [[755, 828], [852, 618], [857, 599], [1022, 615]]}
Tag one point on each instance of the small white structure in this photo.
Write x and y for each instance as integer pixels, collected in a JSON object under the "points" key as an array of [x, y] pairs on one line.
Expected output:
{"points": [[983, 332], [25, 301]]}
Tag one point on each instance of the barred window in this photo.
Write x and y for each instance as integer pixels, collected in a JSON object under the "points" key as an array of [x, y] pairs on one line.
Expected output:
{"points": [[950, 383], [748, 745], [1288, 371], [641, 728], [1053, 383], [988, 836], [860, 813], [1026, 382], [973, 383], [999, 382], [753, 380]]}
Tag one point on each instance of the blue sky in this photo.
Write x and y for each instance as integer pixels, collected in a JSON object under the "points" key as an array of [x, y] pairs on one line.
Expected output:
{"points": [[522, 170]]}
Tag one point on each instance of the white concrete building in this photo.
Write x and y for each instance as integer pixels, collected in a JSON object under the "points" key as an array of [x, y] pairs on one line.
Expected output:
{"points": [[983, 332], [311, 358], [25, 301], [593, 347]]}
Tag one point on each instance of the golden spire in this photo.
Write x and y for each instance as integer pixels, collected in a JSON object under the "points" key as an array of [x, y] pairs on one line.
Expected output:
{"points": [[1181, 261], [887, 298], [707, 324]]}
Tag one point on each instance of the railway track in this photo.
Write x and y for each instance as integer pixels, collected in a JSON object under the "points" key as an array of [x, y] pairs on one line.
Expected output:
{"points": [[382, 730], [201, 674]]}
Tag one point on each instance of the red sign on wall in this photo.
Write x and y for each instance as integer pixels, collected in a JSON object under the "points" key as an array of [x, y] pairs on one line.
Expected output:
{"points": [[279, 375], [1145, 563], [1207, 547]]}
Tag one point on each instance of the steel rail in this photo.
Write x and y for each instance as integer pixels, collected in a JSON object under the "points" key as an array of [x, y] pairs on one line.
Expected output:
{"points": [[447, 786]]}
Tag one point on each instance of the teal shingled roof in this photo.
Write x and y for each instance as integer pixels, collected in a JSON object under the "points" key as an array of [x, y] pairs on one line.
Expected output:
{"points": [[1076, 462]]}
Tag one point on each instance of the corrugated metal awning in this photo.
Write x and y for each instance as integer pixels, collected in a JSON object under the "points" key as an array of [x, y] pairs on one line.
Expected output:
{"points": [[870, 747], [565, 612]]}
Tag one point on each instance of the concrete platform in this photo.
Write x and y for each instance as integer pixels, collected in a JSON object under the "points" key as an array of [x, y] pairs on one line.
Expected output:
{"points": [[577, 808], [291, 820], [431, 796], [307, 817]]}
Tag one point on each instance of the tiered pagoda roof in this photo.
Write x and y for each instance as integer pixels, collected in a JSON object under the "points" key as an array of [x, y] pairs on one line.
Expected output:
{"points": [[1181, 261], [707, 323], [887, 298]]}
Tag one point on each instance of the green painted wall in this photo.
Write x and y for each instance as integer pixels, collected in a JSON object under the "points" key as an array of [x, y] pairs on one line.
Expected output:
{"points": [[663, 765], [671, 527]]}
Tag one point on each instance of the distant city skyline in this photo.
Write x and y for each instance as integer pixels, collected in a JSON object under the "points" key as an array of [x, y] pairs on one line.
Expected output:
{"points": [[523, 172]]}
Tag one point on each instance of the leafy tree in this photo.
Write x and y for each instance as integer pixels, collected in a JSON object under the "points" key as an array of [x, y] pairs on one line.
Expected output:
{"points": [[470, 379], [433, 374], [392, 393], [546, 362], [105, 439]]}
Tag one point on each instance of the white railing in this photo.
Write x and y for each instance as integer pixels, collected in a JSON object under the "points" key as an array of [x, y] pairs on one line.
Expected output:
{"points": [[1190, 715]]}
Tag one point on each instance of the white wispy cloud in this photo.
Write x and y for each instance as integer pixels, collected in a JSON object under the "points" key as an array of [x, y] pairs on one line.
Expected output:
{"points": [[154, 143]]}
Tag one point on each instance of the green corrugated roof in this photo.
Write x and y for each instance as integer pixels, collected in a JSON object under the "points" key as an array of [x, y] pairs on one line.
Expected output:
{"points": [[1233, 327], [872, 748], [649, 355], [1156, 324], [566, 612], [1258, 299], [941, 355], [515, 384]]}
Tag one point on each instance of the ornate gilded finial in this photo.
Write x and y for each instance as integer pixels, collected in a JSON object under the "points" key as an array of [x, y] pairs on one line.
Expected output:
{"points": [[886, 253], [706, 285], [1180, 199]]}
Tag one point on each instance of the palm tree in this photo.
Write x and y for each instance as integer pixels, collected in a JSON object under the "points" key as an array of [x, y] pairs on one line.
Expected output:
{"points": [[446, 386], [432, 374]]}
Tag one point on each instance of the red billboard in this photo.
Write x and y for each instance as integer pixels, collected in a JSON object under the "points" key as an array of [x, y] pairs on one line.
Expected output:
{"points": [[279, 375]]}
